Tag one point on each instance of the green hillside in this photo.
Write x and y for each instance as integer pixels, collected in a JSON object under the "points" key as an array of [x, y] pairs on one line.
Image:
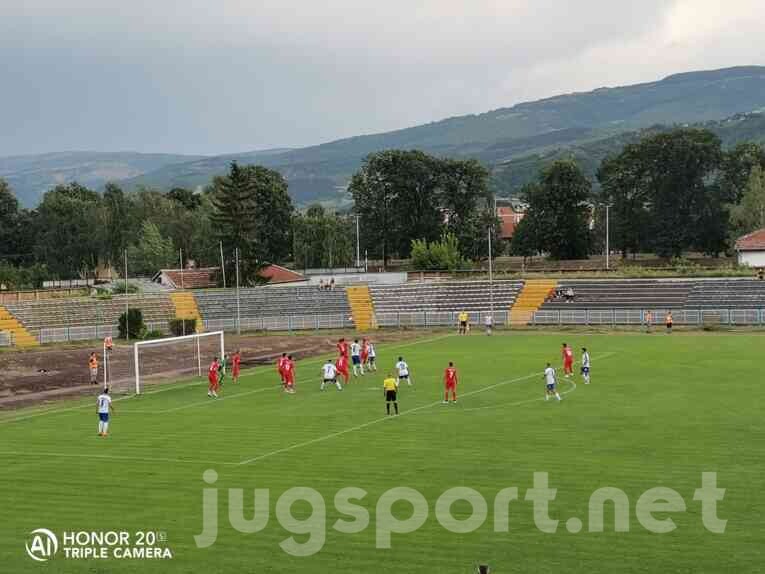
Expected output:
{"points": [[496, 137], [512, 141], [514, 174], [31, 176]]}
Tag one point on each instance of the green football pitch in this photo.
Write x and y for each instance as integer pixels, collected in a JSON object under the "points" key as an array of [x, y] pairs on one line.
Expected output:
{"points": [[660, 411]]}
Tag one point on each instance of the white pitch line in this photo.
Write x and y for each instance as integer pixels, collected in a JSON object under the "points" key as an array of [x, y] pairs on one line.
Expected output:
{"points": [[175, 387], [375, 421], [385, 418], [152, 459]]}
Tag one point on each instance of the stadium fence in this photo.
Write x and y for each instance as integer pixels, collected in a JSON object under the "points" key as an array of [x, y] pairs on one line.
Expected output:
{"points": [[692, 317]]}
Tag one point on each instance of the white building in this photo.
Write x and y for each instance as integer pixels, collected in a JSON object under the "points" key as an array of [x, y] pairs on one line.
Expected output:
{"points": [[751, 249]]}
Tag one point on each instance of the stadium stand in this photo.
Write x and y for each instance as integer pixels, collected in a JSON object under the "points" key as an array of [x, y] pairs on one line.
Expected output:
{"points": [[444, 296], [622, 294], [727, 294], [271, 302], [53, 313]]}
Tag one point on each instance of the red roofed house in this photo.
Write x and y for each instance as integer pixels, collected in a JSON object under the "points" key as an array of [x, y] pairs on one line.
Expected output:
{"points": [[278, 274], [207, 277], [751, 249], [201, 278], [510, 214]]}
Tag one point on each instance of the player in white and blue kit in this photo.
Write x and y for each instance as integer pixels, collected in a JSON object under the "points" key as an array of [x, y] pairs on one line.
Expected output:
{"points": [[329, 374], [104, 403], [403, 371], [356, 358], [585, 366], [549, 377]]}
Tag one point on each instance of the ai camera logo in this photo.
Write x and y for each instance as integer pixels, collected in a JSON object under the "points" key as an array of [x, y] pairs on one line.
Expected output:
{"points": [[43, 545]]}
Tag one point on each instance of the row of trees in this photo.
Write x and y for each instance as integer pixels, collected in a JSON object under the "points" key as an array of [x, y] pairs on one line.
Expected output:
{"points": [[668, 193]]}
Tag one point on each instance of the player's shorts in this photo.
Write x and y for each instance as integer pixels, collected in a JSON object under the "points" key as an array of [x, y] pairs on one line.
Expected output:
{"points": [[463, 323], [235, 373], [451, 386], [356, 359], [550, 386], [103, 417], [371, 359], [390, 396], [585, 370], [332, 381], [403, 377], [94, 373]]}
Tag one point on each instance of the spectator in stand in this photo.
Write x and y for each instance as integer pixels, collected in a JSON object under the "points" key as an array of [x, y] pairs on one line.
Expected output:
{"points": [[321, 284], [648, 321], [332, 284], [570, 295]]}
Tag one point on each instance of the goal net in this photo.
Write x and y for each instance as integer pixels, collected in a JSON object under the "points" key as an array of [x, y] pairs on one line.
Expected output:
{"points": [[161, 360]]}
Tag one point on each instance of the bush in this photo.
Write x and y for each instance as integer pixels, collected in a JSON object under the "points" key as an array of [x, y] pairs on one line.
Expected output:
{"points": [[180, 327], [438, 255], [131, 323], [118, 288], [154, 334]]}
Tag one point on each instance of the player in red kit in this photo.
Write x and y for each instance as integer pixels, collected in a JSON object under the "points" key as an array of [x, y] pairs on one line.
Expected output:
{"points": [[212, 379], [342, 367], [236, 365], [280, 367], [450, 383], [289, 375], [342, 348], [364, 351], [568, 360]]}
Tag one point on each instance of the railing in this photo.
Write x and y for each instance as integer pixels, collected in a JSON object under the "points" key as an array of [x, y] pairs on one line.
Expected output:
{"points": [[694, 317], [437, 318], [6, 339], [90, 332]]}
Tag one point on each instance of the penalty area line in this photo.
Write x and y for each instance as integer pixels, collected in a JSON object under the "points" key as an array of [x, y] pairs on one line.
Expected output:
{"points": [[95, 456]]}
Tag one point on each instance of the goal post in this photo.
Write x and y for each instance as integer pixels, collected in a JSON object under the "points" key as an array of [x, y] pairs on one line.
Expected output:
{"points": [[214, 342]]}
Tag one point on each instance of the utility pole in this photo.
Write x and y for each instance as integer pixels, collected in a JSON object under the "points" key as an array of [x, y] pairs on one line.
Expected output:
{"points": [[127, 302], [608, 246], [491, 280]]}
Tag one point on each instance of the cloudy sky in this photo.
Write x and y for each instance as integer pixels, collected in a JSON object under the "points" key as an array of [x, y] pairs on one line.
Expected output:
{"points": [[217, 76]]}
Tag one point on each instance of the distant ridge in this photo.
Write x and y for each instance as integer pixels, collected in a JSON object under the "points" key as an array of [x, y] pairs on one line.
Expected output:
{"points": [[499, 137]]}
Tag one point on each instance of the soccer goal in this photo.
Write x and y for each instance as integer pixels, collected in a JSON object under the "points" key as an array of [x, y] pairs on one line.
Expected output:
{"points": [[175, 357]]}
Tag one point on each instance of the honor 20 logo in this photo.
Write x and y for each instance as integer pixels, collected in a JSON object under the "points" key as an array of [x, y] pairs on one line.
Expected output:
{"points": [[43, 545]]}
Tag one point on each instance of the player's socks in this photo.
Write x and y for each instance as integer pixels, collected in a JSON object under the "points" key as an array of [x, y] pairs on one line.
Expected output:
{"points": [[106, 428], [395, 406], [557, 396], [387, 408], [338, 385], [322, 387], [547, 396]]}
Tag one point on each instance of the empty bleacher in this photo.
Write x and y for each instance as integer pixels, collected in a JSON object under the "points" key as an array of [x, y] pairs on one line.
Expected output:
{"points": [[57, 313], [623, 294], [444, 296], [271, 302], [727, 294]]}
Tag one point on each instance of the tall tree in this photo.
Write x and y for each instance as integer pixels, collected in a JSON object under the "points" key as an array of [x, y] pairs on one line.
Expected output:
{"points": [[252, 211], [117, 224], [9, 224], [737, 165], [558, 207], [395, 193], [151, 252], [67, 236], [680, 165], [323, 239], [624, 184], [749, 214]]}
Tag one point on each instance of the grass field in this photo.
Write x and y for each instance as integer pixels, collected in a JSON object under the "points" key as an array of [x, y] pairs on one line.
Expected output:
{"points": [[660, 411]]}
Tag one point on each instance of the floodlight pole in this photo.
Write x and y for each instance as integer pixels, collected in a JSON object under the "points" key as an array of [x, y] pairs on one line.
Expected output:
{"points": [[127, 302], [222, 263], [180, 256], [358, 244], [491, 280], [608, 247], [238, 315]]}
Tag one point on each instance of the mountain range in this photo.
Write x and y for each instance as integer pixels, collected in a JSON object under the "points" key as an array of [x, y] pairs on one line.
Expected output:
{"points": [[513, 142]]}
